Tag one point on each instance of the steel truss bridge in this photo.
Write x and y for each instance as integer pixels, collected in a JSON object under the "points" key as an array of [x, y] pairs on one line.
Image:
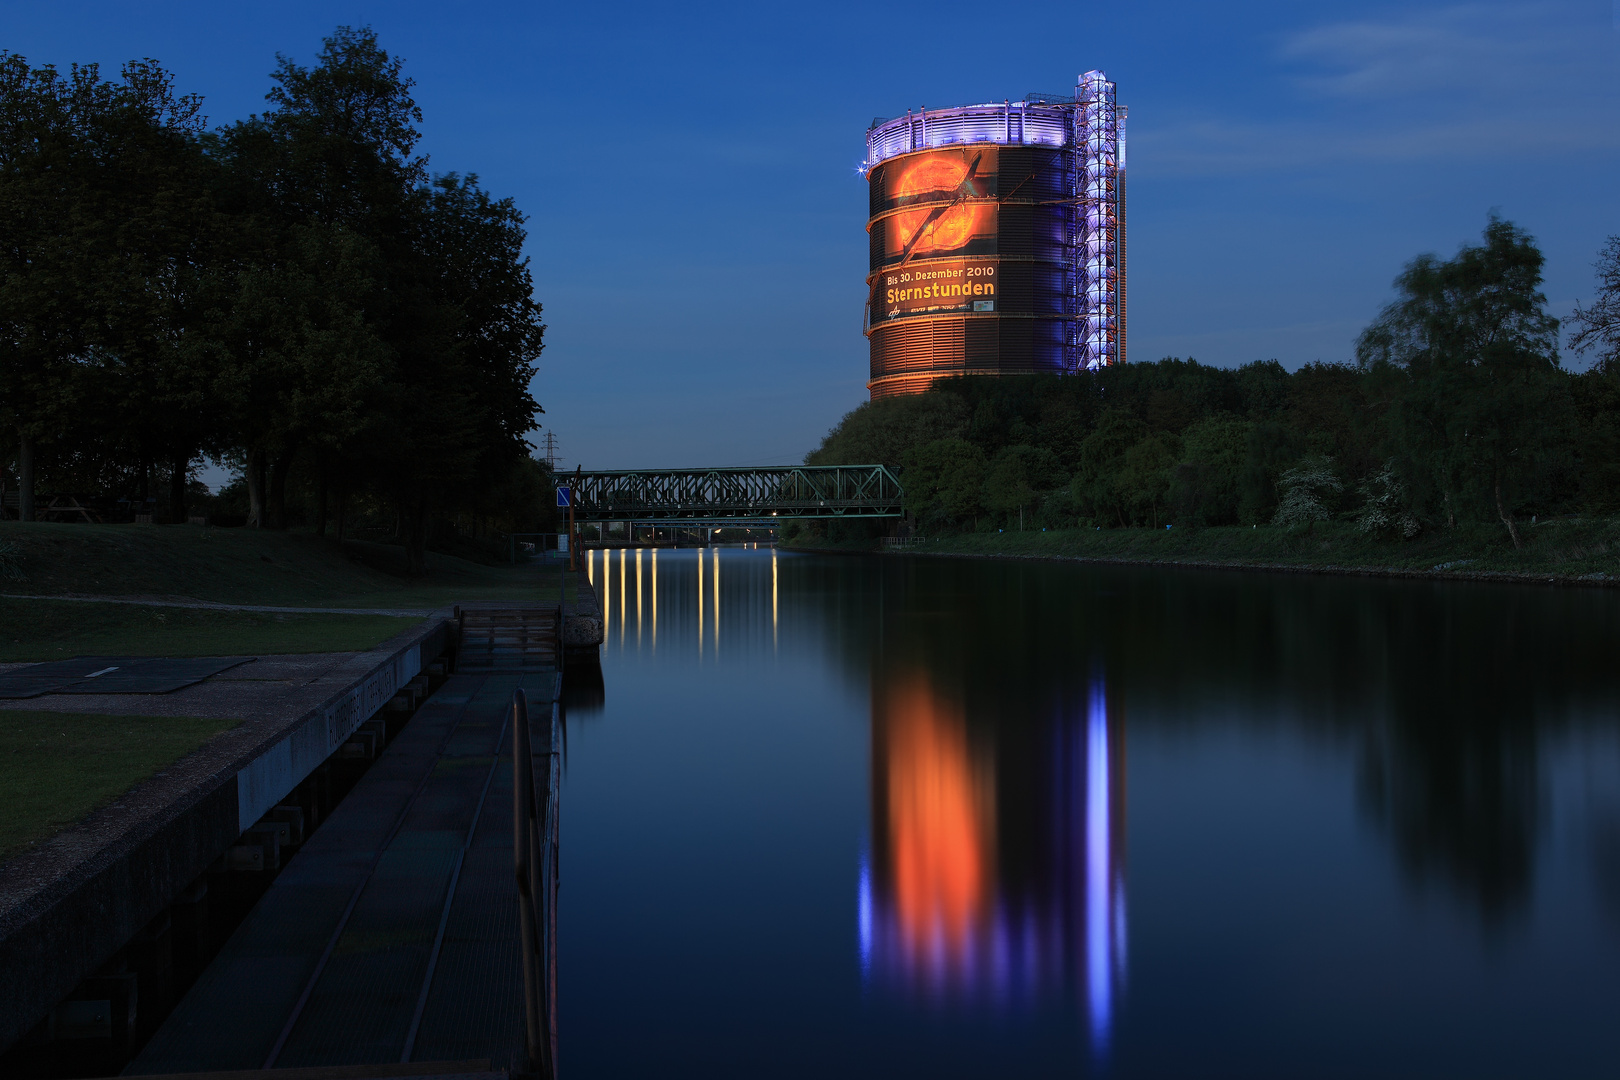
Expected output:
{"points": [[719, 496]]}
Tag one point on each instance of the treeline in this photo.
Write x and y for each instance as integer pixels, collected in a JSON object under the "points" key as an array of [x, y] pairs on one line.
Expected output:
{"points": [[1455, 409], [292, 293]]}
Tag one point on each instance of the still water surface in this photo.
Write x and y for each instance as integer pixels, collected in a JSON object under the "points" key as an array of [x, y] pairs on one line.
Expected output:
{"points": [[930, 817]]}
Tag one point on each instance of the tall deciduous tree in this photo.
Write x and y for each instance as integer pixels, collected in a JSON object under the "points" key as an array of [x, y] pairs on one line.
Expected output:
{"points": [[48, 143], [1477, 405], [154, 275], [466, 352], [1598, 327], [104, 226], [301, 364], [1597, 392], [289, 290]]}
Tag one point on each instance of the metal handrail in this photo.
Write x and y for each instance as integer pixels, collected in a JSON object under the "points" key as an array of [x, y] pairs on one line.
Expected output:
{"points": [[534, 855]]}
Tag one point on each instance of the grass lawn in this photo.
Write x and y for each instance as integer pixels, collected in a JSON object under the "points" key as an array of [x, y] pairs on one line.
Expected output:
{"points": [[1566, 549], [57, 768], [249, 566], [56, 630]]}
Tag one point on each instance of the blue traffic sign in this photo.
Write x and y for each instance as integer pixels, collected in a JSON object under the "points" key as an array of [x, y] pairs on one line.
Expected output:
{"points": [[565, 496]]}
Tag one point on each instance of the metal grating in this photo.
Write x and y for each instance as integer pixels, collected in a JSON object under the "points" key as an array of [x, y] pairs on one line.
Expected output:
{"points": [[737, 494]]}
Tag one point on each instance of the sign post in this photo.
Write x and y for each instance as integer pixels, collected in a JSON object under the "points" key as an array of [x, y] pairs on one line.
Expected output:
{"points": [[565, 499], [573, 532]]}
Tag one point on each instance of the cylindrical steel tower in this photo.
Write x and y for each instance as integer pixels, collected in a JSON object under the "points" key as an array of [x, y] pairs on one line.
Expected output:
{"points": [[997, 239]]}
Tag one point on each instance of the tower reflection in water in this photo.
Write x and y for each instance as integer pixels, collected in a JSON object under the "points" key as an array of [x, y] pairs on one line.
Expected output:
{"points": [[997, 866]]}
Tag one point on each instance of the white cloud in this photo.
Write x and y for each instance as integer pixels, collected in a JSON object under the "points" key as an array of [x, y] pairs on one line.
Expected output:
{"points": [[1463, 82], [1469, 51]]}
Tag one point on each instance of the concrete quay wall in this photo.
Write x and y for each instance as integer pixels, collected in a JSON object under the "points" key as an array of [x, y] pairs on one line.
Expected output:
{"points": [[71, 905], [582, 630]]}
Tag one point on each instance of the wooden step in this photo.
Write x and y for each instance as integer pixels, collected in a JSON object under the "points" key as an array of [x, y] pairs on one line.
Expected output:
{"points": [[508, 639]]}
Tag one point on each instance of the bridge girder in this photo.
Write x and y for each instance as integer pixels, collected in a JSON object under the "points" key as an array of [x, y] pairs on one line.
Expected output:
{"points": [[734, 495]]}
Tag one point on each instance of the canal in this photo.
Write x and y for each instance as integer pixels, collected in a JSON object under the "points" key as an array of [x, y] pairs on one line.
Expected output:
{"points": [[885, 816]]}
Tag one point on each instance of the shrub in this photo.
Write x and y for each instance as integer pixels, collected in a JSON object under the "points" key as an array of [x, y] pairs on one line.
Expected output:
{"points": [[1303, 488]]}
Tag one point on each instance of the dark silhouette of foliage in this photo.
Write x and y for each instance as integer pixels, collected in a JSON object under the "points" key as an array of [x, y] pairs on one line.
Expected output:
{"points": [[1455, 409], [292, 292]]}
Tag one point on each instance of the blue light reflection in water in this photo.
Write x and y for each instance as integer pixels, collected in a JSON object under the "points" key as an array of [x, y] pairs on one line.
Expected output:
{"points": [[1373, 826], [1102, 962], [961, 910], [863, 914]]}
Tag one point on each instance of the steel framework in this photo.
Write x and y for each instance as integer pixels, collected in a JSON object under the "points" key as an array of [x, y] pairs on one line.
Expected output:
{"points": [[712, 495], [1099, 192]]}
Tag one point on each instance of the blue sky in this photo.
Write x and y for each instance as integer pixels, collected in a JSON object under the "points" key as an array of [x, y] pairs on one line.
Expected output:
{"points": [[697, 221]]}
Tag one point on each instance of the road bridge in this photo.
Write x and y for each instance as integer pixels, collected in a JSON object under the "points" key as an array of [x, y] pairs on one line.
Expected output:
{"points": [[738, 495]]}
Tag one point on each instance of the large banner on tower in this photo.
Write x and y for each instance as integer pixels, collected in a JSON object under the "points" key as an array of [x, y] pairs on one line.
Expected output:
{"points": [[936, 233], [934, 285], [944, 201]]}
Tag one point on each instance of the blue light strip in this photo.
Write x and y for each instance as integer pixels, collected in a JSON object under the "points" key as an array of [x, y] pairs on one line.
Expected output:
{"points": [[1014, 123]]}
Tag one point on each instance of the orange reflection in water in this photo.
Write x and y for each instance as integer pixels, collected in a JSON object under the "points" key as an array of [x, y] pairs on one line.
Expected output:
{"points": [[997, 870], [940, 812], [943, 176]]}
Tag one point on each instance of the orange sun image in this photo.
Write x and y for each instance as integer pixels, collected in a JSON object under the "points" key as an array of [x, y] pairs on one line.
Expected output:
{"points": [[940, 177]]}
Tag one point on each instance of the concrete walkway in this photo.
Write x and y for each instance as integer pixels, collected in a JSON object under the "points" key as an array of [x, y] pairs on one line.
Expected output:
{"points": [[393, 935], [75, 900]]}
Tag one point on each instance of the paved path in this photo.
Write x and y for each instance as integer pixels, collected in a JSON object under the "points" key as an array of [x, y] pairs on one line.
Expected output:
{"points": [[279, 685], [393, 935], [212, 606], [76, 899]]}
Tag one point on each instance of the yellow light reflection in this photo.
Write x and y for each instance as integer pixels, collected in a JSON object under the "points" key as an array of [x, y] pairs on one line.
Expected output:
{"points": [[621, 596], [638, 597], [717, 602], [700, 603], [773, 598], [607, 596], [655, 601]]}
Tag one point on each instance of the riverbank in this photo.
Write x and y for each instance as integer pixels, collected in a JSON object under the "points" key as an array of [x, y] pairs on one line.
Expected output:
{"points": [[246, 567], [180, 590], [57, 629], [1579, 552]]}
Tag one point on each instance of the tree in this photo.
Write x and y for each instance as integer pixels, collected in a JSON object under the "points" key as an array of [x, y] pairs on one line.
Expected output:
{"points": [[1018, 477], [301, 364], [1096, 485], [437, 333], [880, 432], [1383, 509], [1598, 326], [1476, 403], [154, 278], [1597, 392], [99, 209], [943, 481], [1305, 489], [465, 351], [46, 165], [289, 292], [1204, 486], [1144, 475], [344, 134]]}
